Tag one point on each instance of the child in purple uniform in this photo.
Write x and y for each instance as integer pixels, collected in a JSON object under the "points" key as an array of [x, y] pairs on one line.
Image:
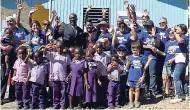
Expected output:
{"points": [[93, 68], [114, 70], [76, 84], [102, 57], [38, 72], [60, 62], [21, 77], [136, 64], [5, 41]]}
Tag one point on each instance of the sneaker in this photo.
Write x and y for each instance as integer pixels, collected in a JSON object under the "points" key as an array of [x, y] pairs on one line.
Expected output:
{"points": [[137, 104], [70, 107], [131, 104], [117, 106], [187, 97], [111, 107], [26, 107], [19, 107], [175, 100], [63, 107]]}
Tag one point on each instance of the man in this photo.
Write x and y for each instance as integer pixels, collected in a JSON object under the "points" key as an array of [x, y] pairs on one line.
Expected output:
{"points": [[18, 38], [71, 34]]}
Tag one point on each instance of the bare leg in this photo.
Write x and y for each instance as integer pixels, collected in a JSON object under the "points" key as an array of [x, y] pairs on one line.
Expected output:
{"points": [[7, 64], [70, 101], [131, 90], [137, 94], [167, 85]]}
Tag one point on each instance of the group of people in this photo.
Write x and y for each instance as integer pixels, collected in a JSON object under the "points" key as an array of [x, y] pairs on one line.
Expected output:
{"points": [[104, 66]]}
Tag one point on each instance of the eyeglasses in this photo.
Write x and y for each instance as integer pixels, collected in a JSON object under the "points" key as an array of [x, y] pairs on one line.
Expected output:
{"points": [[162, 23]]}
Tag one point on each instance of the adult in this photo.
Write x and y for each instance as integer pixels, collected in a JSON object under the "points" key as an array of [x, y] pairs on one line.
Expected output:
{"points": [[181, 61], [71, 34], [18, 38]]}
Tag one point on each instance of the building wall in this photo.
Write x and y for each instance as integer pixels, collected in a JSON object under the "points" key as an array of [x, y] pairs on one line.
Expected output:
{"points": [[173, 10]]}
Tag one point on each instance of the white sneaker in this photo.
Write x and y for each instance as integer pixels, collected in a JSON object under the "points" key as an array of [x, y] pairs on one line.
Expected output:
{"points": [[175, 100]]}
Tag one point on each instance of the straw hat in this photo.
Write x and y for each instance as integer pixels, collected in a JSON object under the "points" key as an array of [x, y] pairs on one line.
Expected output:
{"points": [[103, 23]]}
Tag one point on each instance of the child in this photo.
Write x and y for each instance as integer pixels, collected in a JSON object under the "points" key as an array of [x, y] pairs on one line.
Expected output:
{"points": [[6, 40], [38, 72], [76, 84], [114, 69], [71, 52], [93, 68], [137, 66], [60, 62], [21, 77], [104, 59]]}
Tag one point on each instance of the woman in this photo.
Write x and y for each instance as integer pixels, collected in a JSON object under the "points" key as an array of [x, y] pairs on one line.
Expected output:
{"points": [[35, 39], [180, 60]]}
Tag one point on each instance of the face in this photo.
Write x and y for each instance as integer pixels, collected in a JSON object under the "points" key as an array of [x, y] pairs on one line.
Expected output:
{"points": [[46, 24], [171, 35], [89, 27], [103, 28], [179, 30], [8, 34], [163, 24], [119, 20], [122, 28], [114, 61], [35, 28], [144, 19], [11, 24], [121, 52], [73, 19], [72, 51], [78, 54], [149, 29], [59, 47], [135, 51], [22, 54], [89, 57], [99, 49], [37, 57]]}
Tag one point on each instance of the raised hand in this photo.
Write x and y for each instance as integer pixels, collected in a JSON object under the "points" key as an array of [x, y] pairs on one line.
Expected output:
{"points": [[20, 6], [145, 12], [89, 8], [104, 10], [132, 7], [54, 13], [110, 29], [33, 9], [126, 3], [131, 25]]}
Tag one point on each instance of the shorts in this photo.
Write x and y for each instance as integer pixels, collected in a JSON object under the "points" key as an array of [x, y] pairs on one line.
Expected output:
{"points": [[168, 68], [134, 84]]}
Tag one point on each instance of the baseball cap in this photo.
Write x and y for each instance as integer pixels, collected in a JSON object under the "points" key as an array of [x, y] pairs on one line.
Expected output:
{"points": [[122, 46], [149, 23]]}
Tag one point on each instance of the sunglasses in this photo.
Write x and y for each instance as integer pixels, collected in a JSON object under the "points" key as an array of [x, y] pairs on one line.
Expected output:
{"points": [[45, 24], [162, 23]]}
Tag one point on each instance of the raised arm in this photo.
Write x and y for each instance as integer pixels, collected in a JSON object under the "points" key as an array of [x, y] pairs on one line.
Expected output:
{"points": [[127, 9], [19, 9], [179, 38], [104, 13], [133, 12], [86, 14], [54, 14], [30, 15], [134, 36], [114, 39]]}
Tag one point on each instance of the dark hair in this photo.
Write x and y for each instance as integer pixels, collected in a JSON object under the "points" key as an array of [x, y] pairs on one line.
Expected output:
{"points": [[136, 45], [62, 43], [115, 56], [80, 49], [100, 44], [89, 20], [183, 28], [90, 51], [40, 53], [22, 48], [8, 29], [147, 17], [32, 33]]}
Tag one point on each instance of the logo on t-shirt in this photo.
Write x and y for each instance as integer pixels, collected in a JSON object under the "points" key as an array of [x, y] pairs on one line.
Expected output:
{"points": [[149, 42], [172, 49], [162, 35], [136, 64]]}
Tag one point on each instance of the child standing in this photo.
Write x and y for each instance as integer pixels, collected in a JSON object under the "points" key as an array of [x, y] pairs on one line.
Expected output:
{"points": [[102, 57], [93, 68], [38, 72], [60, 62], [137, 65], [114, 70], [21, 77], [76, 84], [6, 40]]}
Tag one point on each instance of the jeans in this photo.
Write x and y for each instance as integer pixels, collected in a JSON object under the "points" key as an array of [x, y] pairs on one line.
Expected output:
{"points": [[179, 72], [152, 74]]}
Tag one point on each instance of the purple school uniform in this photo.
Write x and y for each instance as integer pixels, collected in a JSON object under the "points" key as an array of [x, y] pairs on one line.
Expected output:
{"points": [[58, 74], [5, 42], [37, 82], [114, 88], [92, 75], [22, 90], [76, 85]]}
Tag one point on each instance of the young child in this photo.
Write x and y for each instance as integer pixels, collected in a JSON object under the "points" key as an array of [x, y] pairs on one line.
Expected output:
{"points": [[6, 40], [76, 84], [38, 72], [21, 77], [114, 69], [93, 68], [60, 62], [102, 57], [136, 64]]}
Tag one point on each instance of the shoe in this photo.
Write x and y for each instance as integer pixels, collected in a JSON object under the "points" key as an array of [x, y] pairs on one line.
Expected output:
{"points": [[153, 95], [175, 100], [187, 97], [26, 107], [111, 107], [63, 107], [56, 107], [131, 105], [70, 107], [19, 107], [117, 106], [78, 107], [137, 104]]}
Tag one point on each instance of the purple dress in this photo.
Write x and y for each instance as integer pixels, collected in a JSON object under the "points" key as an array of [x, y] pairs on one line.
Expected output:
{"points": [[76, 85], [92, 76]]}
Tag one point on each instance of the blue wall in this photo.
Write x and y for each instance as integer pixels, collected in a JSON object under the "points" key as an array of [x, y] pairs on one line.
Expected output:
{"points": [[173, 10]]}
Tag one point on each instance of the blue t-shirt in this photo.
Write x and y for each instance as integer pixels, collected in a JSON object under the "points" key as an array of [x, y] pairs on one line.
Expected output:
{"points": [[137, 64], [106, 35], [182, 47], [147, 40], [123, 38], [170, 49], [35, 44]]}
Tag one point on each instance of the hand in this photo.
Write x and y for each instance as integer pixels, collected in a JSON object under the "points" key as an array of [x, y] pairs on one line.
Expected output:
{"points": [[153, 49], [12, 82], [34, 9], [150, 57], [87, 85], [110, 77], [153, 32], [132, 25], [141, 80], [170, 61], [20, 6], [145, 12], [127, 58], [29, 51], [104, 10], [54, 13], [114, 64], [89, 8], [99, 82], [126, 3], [132, 7], [67, 80]]}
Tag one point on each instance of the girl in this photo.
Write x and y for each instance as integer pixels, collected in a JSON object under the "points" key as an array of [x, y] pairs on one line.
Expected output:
{"points": [[6, 40], [76, 84], [136, 65], [38, 72], [21, 77], [93, 68], [36, 39], [60, 63], [114, 69]]}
